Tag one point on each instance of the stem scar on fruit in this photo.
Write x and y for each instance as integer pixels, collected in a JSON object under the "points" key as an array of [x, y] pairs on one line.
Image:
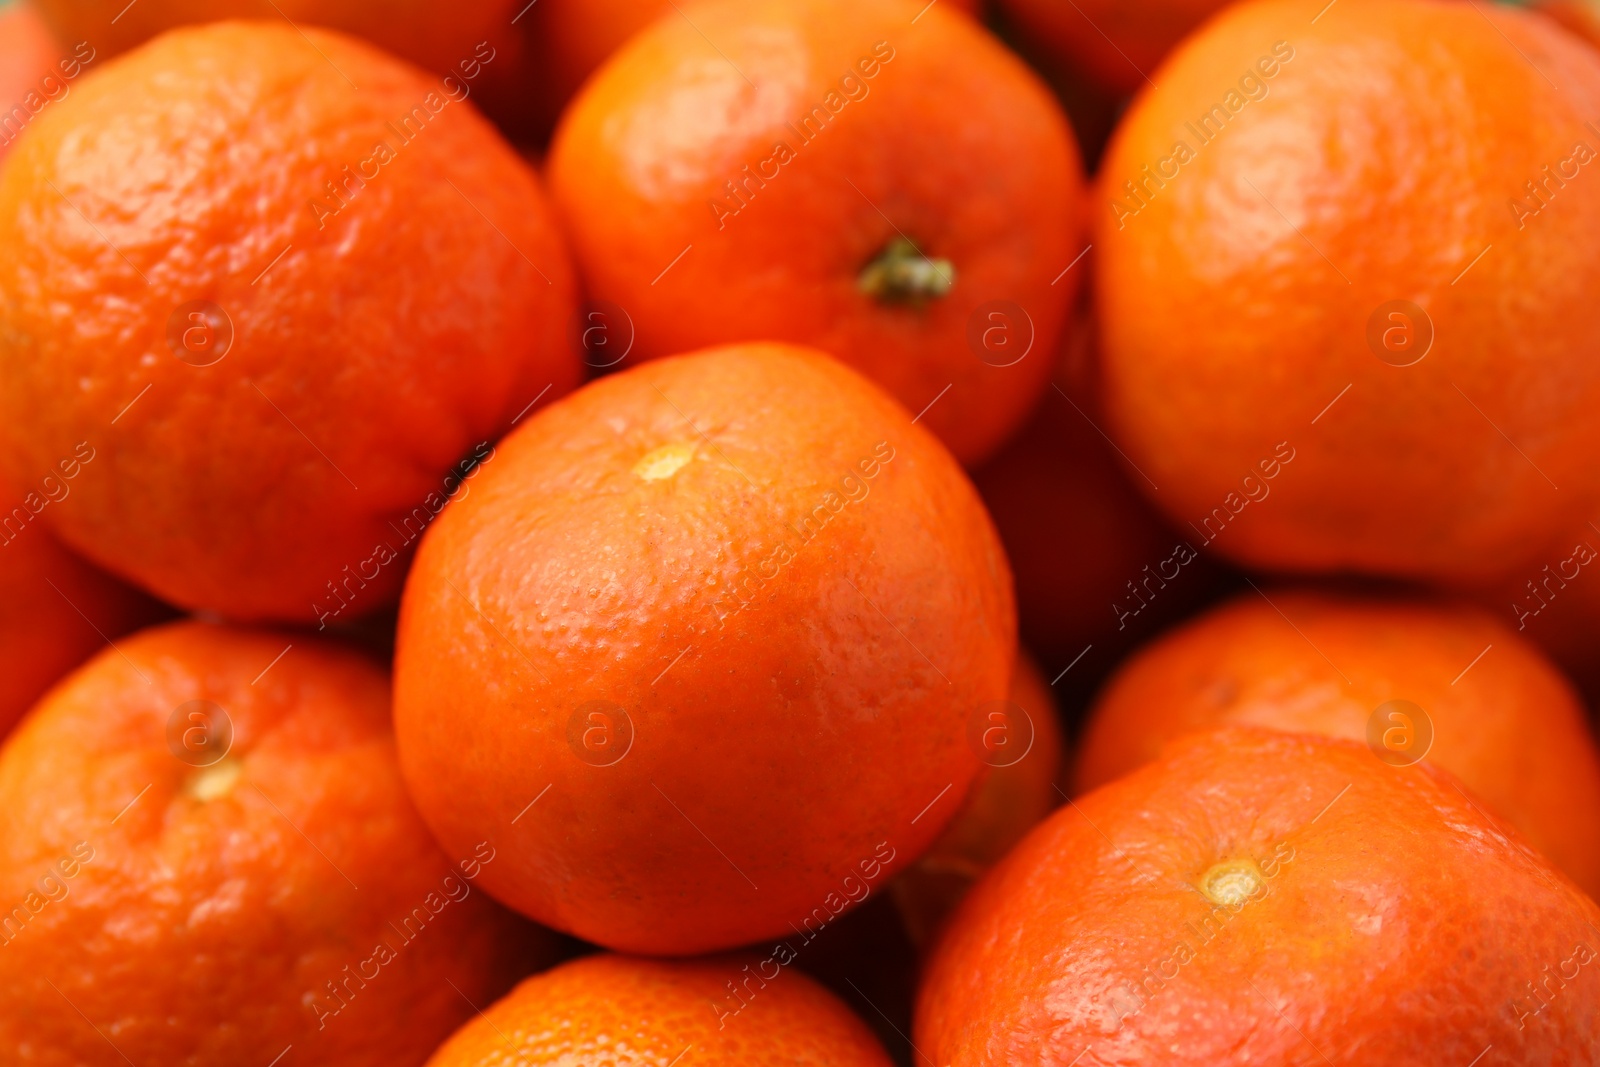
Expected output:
{"points": [[664, 462], [901, 274], [1232, 882]]}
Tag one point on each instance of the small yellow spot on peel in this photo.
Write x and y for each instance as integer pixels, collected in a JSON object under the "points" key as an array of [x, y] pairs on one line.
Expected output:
{"points": [[215, 781], [1233, 882], [664, 462]]}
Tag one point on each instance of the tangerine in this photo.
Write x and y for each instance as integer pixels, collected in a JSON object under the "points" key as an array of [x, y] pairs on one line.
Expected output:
{"points": [[434, 36], [207, 857], [699, 653], [292, 315], [55, 609], [1098, 568], [732, 1011], [1118, 44], [1258, 897], [1022, 748], [877, 178], [1276, 285], [28, 55], [1416, 678]]}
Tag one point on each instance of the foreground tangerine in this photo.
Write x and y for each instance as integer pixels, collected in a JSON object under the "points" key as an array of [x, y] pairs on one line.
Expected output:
{"points": [[730, 1011], [207, 856], [899, 192], [699, 653], [1256, 897], [258, 292], [1319, 367], [1417, 679]]}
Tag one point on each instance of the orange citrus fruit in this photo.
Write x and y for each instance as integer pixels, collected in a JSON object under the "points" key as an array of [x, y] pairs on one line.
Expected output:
{"points": [[1416, 679], [29, 80], [729, 1011], [1098, 568], [1118, 44], [55, 609], [700, 652], [1021, 742], [1316, 365], [1257, 897], [207, 857], [290, 314], [898, 191], [572, 38], [1554, 602], [434, 36]]}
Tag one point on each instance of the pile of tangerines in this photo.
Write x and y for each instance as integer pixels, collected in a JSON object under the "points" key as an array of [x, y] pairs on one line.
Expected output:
{"points": [[827, 532]]}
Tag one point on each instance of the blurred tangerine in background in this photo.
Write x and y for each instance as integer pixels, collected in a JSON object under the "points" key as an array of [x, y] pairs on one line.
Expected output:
{"points": [[55, 609], [431, 35], [1417, 679]]}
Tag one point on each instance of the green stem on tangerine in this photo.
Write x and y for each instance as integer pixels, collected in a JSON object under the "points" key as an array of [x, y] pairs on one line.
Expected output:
{"points": [[901, 274]]}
